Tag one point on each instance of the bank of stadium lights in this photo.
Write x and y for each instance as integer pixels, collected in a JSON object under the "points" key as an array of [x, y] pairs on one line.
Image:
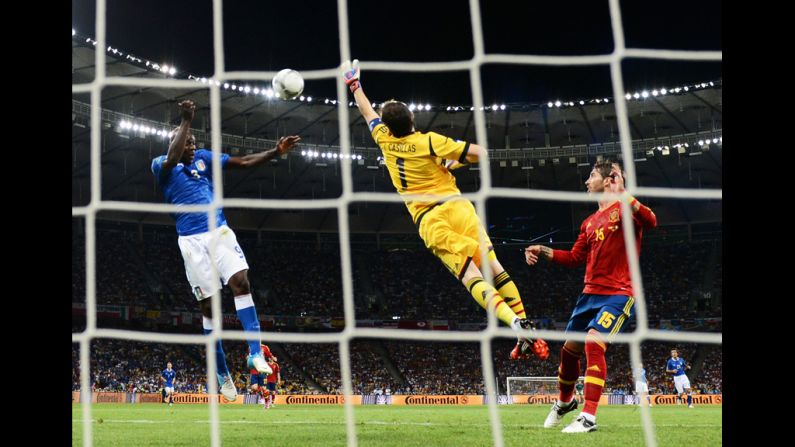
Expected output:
{"points": [[142, 129], [162, 68], [172, 71], [682, 148], [638, 95], [582, 102], [247, 89], [268, 92], [309, 154], [718, 140]]}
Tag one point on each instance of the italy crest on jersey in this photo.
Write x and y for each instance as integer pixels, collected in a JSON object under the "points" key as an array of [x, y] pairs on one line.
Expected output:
{"points": [[200, 165]]}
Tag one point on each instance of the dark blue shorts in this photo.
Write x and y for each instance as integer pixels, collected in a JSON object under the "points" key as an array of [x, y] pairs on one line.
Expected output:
{"points": [[257, 379], [271, 386], [607, 314]]}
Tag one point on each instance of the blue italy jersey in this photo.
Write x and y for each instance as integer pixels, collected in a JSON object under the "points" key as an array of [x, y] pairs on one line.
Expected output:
{"points": [[678, 365], [641, 374], [169, 375], [189, 185]]}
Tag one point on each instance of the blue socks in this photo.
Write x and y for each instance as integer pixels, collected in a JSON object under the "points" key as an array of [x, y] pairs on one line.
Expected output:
{"points": [[220, 357], [247, 314]]}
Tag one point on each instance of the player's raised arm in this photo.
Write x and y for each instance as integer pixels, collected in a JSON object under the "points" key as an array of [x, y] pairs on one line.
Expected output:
{"points": [[187, 109], [641, 214], [351, 74], [283, 146]]}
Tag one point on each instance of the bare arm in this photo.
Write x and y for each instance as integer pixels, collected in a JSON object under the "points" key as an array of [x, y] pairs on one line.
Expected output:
{"points": [[532, 253], [365, 108], [476, 153], [177, 146], [284, 146], [570, 258], [351, 74]]}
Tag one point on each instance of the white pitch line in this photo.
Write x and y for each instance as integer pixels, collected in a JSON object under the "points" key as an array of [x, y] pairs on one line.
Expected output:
{"points": [[424, 424]]}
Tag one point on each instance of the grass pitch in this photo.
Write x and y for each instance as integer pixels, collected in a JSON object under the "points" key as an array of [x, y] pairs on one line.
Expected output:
{"points": [[384, 426]]}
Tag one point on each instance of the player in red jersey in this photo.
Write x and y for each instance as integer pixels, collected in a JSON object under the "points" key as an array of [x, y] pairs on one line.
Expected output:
{"points": [[606, 302], [257, 380], [273, 379]]}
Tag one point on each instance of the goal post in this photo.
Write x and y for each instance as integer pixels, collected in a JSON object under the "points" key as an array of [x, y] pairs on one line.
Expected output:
{"points": [[546, 388]]}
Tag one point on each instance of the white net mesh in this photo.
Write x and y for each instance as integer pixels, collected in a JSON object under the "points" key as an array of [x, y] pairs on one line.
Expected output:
{"points": [[89, 212], [530, 386]]}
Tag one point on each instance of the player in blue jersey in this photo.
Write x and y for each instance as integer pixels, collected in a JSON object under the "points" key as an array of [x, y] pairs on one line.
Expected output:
{"points": [[185, 177], [167, 377], [641, 385], [677, 367]]}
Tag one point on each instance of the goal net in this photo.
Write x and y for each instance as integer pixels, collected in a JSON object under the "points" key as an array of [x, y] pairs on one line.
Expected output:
{"points": [[486, 191], [536, 390]]}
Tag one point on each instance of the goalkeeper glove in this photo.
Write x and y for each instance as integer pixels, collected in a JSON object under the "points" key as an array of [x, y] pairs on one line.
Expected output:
{"points": [[350, 74]]}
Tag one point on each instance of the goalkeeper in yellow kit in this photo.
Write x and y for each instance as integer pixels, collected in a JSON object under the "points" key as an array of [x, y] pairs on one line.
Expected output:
{"points": [[419, 164]]}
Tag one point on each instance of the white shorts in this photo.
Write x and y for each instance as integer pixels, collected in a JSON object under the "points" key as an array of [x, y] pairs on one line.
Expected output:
{"points": [[229, 259], [681, 383], [641, 387], [169, 390]]}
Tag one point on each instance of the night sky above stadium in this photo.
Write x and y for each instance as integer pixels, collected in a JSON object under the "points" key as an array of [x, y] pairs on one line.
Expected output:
{"points": [[302, 34]]}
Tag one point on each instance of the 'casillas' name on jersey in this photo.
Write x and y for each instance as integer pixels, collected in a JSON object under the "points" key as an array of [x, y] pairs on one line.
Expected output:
{"points": [[400, 147]]}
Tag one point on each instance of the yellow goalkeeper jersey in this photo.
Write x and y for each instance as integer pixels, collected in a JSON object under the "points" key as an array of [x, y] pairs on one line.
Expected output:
{"points": [[416, 164]]}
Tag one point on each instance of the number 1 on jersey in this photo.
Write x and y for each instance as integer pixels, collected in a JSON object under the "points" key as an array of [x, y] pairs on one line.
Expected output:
{"points": [[402, 173]]}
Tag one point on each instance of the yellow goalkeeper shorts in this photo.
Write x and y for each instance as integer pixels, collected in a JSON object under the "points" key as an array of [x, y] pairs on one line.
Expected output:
{"points": [[452, 231]]}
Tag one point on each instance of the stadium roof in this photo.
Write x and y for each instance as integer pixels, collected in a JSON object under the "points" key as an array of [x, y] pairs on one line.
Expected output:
{"points": [[572, 135]]}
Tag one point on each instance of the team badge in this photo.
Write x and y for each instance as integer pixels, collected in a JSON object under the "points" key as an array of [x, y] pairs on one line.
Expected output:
{"points": [[200, 164], [613, 216]]}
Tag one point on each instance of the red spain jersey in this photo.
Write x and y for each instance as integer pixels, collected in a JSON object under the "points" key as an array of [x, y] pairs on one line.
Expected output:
{"points": [[266, 352], [274, 375], [600, 245]]}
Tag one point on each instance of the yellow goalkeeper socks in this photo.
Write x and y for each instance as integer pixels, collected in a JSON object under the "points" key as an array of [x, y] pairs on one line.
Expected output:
{"points": [[488, 297], [508, 291]]}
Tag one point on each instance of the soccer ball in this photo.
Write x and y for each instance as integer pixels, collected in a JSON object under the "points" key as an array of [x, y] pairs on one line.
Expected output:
{"points": [[287, 84]]}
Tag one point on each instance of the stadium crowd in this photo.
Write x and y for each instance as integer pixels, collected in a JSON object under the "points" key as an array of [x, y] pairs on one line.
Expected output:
{"points": [[308, 281], [427, 367]]}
